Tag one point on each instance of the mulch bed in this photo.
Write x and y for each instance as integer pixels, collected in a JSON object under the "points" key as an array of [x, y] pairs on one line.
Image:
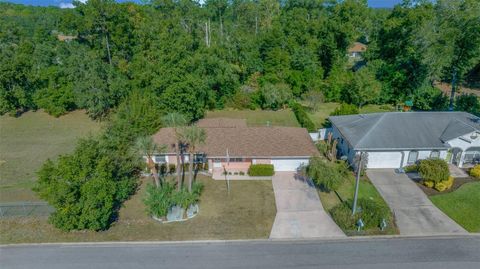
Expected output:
{"points": [[456, 184]]}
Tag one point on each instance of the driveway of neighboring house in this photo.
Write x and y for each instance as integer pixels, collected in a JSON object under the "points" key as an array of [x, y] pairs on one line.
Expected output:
{"points": [[300, 213], [415, 214]]}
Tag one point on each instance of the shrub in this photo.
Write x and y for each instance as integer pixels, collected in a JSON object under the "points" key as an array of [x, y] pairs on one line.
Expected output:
{"points": [[475, 171], [302, 117], [259, 170], [87, 187], [410, 168], [444, 185], [242, 173], [345, 109], [342, 215], [172, 168], [205, 166], [371, 212], [428, 183], [435, 170], [327, 175], [160, 200]]}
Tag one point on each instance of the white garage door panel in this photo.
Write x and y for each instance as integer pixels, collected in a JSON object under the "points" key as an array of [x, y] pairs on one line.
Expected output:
{"points": [[384, 159], [288, 164]]}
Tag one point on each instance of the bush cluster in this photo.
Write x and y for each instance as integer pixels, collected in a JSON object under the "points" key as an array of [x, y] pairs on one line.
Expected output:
{"points": [[261, 170], [329, 176], [160, 200], [302, 117], [371, 212], [440, 186], [435, 170], [410, 168], [475, 171]]}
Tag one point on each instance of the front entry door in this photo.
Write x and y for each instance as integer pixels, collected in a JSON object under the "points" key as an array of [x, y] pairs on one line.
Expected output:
{"points": [[457, 154]]}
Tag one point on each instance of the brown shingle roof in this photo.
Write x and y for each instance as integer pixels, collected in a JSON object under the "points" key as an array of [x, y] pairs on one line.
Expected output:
{"points": [[222, 123], [249, 142], [357, 47]]}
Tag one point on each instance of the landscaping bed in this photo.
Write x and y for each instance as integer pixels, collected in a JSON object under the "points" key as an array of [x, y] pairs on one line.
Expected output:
{"points": [[247, 212], [366, 190]]}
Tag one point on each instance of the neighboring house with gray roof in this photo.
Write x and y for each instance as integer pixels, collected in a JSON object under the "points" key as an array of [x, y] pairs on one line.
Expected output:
{"points": [[397, 139]]}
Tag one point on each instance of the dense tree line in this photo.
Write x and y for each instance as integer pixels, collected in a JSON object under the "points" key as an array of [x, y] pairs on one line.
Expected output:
{"points": [[242, 53]]}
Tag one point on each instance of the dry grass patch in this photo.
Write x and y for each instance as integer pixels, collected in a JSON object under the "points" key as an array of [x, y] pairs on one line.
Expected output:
{"points": [[27, 141], [247, 212]]}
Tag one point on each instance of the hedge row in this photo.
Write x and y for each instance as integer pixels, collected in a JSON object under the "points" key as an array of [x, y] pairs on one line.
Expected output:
{"points": [[302, 117], [261, 170]]}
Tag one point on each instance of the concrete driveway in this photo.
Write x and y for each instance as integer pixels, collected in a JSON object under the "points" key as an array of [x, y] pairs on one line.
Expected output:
{"points": [[415, 214], [300, 213]]}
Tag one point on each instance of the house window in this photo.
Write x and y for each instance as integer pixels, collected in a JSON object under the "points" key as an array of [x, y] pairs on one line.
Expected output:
{"points": [[435, 154], [412, 157], [160, 159]]}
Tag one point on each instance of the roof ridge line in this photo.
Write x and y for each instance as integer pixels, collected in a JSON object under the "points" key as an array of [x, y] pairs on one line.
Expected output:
{"points": [[369, 131]]}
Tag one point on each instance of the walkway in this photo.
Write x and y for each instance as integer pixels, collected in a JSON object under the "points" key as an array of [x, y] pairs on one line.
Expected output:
{"points": [[415, 214], [299, 211]]}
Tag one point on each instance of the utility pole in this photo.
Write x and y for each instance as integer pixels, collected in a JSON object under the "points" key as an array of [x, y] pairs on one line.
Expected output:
{"points": [[357, 183], [452, 95]]}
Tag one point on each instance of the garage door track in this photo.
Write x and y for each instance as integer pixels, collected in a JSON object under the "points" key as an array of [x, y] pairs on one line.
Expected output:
{"points": [[415, 214]]}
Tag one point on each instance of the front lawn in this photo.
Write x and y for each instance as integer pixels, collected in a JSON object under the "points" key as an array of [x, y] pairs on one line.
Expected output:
{"points": [[28, 141], [284, 117], [462, 205], [346, 191], [247, 213]]}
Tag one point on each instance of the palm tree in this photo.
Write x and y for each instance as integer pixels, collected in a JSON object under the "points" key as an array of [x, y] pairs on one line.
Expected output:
{"points": [[177, 121], [147, 147], [193, 136]]}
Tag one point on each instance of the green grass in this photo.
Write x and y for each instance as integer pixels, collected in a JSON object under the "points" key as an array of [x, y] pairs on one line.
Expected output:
{"points": [[346, 191], [462, 205], [247, 212], [284, 117], [27, 141], [320, 116]]}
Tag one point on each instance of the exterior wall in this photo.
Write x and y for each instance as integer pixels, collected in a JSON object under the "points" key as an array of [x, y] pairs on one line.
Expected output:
{"points": [[464, 143], [344, 148], [261, 161]]}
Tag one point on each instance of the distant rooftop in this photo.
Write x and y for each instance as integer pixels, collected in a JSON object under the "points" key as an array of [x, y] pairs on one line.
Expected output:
{"points": [[404, 130], [357, 47]]}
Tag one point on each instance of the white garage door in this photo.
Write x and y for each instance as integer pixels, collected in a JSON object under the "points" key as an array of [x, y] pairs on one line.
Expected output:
{"points": [[288, 164], [384, 159]]}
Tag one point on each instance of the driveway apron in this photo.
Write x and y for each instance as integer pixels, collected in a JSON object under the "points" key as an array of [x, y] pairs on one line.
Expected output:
{"points": [[415, 214], [300, 213]]}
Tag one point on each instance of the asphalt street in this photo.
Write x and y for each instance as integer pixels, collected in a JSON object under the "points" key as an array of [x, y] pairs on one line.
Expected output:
{"points": [[458, 252]]}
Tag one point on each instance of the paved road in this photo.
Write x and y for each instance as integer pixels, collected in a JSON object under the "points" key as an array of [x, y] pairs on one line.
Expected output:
{"points": [[424, 253], [300, 213], [415, 213]]}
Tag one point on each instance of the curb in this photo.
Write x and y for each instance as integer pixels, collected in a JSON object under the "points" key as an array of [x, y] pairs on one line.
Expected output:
{"points": [[253, 241]]}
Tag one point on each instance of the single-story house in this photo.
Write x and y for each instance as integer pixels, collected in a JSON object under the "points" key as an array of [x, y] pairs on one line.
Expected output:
{"points": [[287, 148], [398, 139]]}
